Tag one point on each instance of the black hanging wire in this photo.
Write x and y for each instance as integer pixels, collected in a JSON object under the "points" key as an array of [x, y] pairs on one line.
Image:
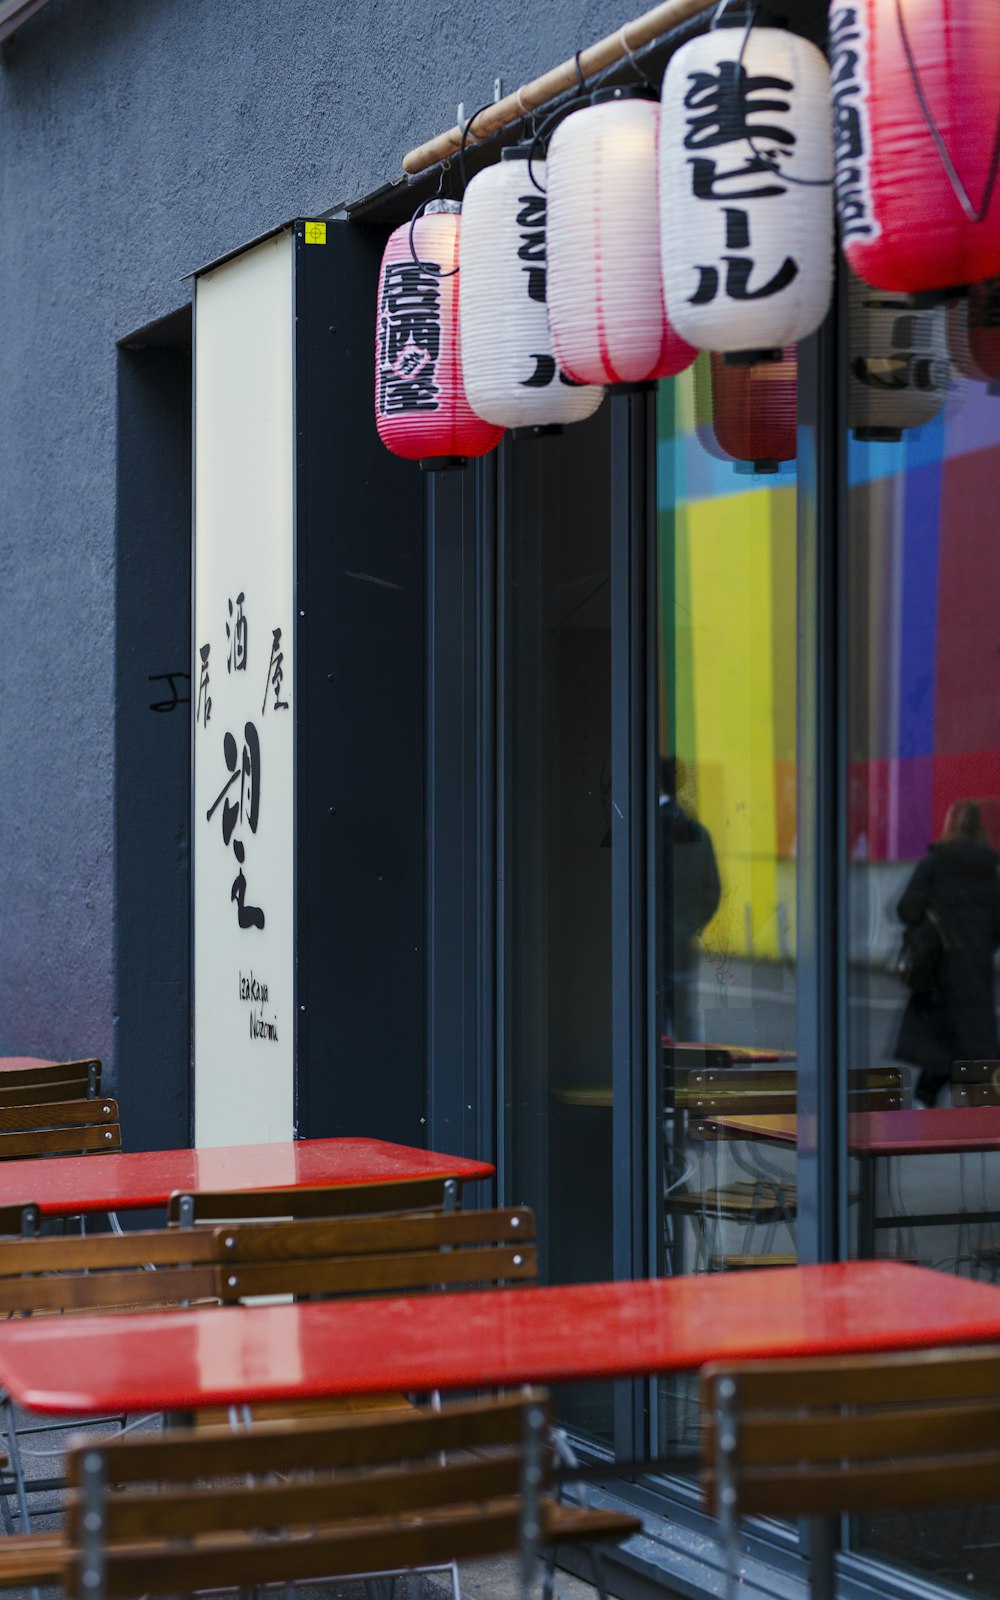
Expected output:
{"points": [[768, 163], [961, 193], [431, 266]]}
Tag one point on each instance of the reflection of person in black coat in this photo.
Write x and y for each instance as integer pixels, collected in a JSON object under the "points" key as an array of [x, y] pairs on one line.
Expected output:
{"points": [[955, 1020], [691, 895]]}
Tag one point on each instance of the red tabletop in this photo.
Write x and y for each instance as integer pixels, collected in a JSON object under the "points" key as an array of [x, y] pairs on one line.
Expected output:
{"points": [[179, 1360], [127, 1182], [948, 1131]]}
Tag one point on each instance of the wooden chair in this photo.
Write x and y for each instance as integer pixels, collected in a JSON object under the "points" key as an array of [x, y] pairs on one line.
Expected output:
{"points": [[107, 1271], [60, 1128], [57, 1080], [187, 1512], [382, 1254], [819, 1437], [328, 1200], [764, 1199], [94, 1272]]}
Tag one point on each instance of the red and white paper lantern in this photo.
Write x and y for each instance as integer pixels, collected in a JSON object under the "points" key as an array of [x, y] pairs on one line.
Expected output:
{"points": [[755, 409], [508, 364], [605, 292], [421, 409], [746, 204], [897, 70], [898, 367]]}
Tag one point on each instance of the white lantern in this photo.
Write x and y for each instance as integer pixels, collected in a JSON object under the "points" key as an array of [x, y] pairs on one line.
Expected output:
{"points": [[898, 367], [746, 203], [605, 290], [510, 372]]}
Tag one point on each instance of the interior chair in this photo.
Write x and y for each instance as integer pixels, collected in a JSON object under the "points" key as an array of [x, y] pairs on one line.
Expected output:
{"points": [[974, 1084], [59, 1128], [187, 1511], [765, 1198], [50, 1080], [818, 1437], [212, 1206]]}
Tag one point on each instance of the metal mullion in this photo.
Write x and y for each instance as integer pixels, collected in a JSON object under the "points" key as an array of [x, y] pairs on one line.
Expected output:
{"points": [[631, 467]]}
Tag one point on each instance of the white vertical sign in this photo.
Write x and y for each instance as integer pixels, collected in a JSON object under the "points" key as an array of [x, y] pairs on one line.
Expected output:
{"points": [[243, 698]]}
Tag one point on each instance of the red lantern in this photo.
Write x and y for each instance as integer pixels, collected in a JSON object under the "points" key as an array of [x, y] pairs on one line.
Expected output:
{"points": [[984, 328], [754, 410], [916, 99], [421, 409]]}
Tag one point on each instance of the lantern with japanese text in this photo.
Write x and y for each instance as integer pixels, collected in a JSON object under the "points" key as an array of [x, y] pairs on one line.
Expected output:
{"points": [[898, 366], [508, 365], [984, 329], [421, 409], [605, 292], [754, 409], [746, 205], [916, 98]]}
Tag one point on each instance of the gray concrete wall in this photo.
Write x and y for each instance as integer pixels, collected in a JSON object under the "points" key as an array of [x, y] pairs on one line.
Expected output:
{"points": [[139, 141]]}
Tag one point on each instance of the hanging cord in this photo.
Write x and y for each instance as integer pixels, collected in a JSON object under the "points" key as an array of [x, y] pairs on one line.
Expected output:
{"points": [[540, 135], [628, 55], [431, 266], [466, 126], [768, 163], [961, 193]]}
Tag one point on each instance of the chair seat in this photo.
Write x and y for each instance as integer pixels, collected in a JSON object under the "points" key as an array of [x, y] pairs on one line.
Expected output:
{"points": [[741, 1200]]}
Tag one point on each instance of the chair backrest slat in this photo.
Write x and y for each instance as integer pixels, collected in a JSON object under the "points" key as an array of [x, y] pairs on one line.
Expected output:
{"points": [[58, 1114], [321, 1200], [91, 1271], [79, 1074], [61, 1141]]}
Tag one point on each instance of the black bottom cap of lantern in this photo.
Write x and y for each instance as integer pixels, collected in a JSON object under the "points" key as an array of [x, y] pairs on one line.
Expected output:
{"points": [[927, 299], [878, 435], [536, 430], [443, 463], [748, 469], [751, 358], [646, 386]]}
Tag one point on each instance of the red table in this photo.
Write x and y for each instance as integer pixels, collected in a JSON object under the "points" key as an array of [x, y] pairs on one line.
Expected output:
{"points": [[180, 1360], [68, 1185]]}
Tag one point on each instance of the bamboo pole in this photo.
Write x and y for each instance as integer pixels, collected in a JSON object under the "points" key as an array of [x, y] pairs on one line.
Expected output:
{"points": [[559, 80]]}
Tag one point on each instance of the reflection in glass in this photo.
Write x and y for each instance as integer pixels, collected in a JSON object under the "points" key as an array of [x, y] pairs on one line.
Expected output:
{"points": [[923, 824], [725, 837]]}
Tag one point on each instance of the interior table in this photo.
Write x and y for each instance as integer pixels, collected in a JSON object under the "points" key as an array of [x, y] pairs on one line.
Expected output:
{"points": [[949, 1130], [140, 1179], [180, 1360]]}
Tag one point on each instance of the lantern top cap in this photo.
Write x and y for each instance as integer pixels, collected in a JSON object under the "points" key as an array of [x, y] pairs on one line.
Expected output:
{"points": [[521, 152], [738, 16], [623, 91], [435, 208]]}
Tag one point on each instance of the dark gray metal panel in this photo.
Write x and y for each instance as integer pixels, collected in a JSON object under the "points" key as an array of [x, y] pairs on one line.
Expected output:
{"points": [[821, 1086], [632, 465], [152, 741], [460, 807], [359, 674]]}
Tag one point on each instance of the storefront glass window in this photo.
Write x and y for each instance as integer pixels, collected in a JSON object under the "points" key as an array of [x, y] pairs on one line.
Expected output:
{"points": [[723, 876], [558, 879], [923, 822]]}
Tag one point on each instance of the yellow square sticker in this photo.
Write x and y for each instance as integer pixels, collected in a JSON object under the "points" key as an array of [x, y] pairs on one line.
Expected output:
{"points": [[315, 233]]}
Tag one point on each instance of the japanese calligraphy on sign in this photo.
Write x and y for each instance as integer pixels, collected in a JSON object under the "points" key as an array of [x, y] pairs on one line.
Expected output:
{"points": [[410, 338], [746, 190], [243, 698], [852, 144]]}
